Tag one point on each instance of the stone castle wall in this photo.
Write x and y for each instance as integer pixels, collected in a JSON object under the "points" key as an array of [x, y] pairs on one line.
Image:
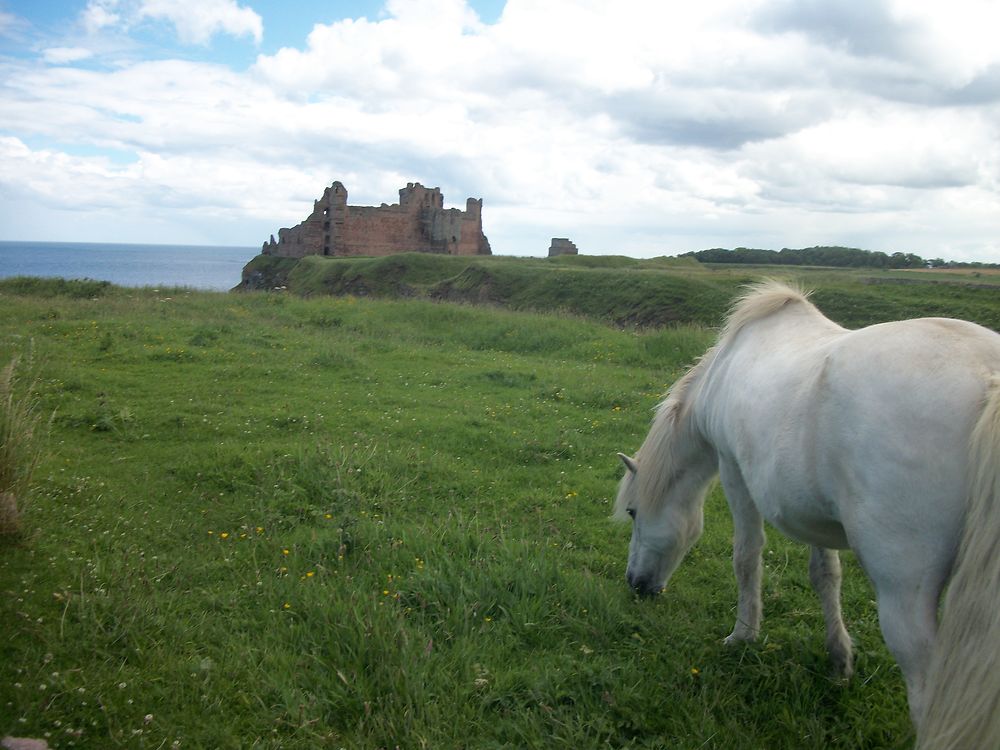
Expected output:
{"points": [[418, 223]]}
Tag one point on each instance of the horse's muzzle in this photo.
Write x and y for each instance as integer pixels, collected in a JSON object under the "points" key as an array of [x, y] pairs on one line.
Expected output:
{"points": [[643, 585]]}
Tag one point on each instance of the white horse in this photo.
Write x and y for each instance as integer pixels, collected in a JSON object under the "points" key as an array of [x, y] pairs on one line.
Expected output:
{"points": [[884, 440]]}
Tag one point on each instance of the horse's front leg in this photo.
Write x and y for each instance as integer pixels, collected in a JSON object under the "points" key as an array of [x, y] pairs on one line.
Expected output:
{"points": [[748, 542], [825, 575]]}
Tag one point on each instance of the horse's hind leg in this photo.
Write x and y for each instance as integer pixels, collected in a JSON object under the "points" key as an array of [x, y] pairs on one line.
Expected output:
{"points": [[907, 615], [824, 572]]}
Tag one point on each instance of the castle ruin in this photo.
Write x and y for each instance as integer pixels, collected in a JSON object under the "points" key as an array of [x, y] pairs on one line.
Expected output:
{"points": [[418, 223]]}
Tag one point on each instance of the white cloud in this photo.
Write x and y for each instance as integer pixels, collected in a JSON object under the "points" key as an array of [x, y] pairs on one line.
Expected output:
{"points": [[196, 21], [99, 15], [910, 50], [956, 40], [641, 126], [50, 175], [171, 183], [63, 55], [8, 21]]}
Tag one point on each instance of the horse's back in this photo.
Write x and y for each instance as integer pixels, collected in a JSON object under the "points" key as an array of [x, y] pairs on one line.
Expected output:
{"points": [[927, 374], [951, 347]]}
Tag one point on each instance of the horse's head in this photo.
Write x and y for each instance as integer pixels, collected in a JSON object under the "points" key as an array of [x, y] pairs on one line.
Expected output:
{"points": [[666, 521]]}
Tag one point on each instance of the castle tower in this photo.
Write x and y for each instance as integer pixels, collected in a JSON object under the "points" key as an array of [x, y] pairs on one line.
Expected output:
{"points": [[416, 197], [334, 216]]}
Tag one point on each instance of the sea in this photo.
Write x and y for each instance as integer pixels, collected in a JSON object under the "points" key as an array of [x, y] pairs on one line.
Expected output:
{"points": [[193, 266]]}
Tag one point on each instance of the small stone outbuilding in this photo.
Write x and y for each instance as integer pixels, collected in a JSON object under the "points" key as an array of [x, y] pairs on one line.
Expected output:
{"points": [[562, 246]]}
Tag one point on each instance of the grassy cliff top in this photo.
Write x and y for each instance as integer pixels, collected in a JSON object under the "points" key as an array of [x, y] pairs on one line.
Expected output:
{"points": [[630, 292]]}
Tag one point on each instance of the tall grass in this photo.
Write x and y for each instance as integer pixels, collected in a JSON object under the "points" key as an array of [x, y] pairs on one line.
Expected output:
{"points": [[274, 521], [19, 444]]}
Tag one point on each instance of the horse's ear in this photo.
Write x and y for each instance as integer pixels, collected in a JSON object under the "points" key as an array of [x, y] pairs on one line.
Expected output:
{"points": [[630, 463]]}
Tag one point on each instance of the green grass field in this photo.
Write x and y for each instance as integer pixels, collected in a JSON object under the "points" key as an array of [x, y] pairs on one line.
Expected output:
{"points": [[268, 521]]}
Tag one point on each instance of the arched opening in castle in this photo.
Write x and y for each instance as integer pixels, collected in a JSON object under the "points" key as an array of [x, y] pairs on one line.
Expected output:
{"points": [[418, 223]]}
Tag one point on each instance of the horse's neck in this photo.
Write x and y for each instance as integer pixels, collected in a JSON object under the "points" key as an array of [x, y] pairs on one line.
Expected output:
{"points": [[684, 443]]}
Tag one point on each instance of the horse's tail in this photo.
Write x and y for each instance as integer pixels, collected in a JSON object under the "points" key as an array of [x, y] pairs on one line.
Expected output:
{"points": [[963, 684]]}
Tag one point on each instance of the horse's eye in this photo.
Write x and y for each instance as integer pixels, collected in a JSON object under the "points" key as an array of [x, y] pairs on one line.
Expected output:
{"points": [[631, 513]]}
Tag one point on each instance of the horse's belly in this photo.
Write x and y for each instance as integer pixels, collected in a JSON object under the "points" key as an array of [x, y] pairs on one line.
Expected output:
{"points": [[799, 512], [817, 532]]}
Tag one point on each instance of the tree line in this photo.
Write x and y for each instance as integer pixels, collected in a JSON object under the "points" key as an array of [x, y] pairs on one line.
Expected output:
{"points": [[826, 256]]}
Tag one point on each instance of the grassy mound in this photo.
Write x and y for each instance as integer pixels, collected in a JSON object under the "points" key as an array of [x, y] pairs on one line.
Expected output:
{"points": [[621, 290]]}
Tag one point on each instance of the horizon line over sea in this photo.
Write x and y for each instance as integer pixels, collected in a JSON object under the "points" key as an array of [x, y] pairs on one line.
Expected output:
{"points": [[205, 267]]}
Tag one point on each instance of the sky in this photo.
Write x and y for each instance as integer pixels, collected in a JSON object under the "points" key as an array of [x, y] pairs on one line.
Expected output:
{"points": [[639, 127]]}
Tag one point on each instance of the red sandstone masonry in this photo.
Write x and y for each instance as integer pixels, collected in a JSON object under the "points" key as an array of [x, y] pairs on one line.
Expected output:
{"points": [[418, 223]]}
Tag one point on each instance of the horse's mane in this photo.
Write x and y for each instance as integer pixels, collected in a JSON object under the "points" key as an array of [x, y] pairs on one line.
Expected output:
{"points": [[659, 449], [759, 301]]}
